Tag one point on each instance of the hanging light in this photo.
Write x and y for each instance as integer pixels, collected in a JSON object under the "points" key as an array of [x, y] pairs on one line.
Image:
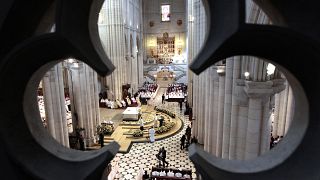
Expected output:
{"points": [[76, 65], [270, 69], [247, 74], [70, 60]]}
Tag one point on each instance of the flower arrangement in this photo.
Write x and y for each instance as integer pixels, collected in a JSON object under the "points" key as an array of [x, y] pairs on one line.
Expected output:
{"points": [[137, 133], [172, 115], [165, 128], [169, 125], [105, 129]]}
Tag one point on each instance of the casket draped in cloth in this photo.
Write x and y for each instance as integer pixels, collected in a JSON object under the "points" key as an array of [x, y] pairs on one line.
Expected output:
{"points": [[131, 114]]}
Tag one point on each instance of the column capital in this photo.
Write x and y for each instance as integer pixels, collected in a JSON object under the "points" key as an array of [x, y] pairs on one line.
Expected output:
{"points": [[255, 89]]}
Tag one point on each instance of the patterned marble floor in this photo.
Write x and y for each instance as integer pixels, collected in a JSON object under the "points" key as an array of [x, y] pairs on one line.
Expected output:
{"points": [[142, 156]]}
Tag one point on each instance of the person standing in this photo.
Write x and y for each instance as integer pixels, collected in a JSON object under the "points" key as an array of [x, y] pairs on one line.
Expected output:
{"points": [[141, 124], [162, 98], [188, 133], [183, 139], [151, 134], [159, 157], [161, 121], [145, 175], [164, 155], [155, 121], [188, 138], [101, 139], [81, 141]]}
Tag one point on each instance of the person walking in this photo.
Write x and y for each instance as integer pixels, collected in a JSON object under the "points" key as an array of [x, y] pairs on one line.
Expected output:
{"points": [[164, 155], [159, 157], [188, 136], [188, 130], [162, 98], [183, 139]]}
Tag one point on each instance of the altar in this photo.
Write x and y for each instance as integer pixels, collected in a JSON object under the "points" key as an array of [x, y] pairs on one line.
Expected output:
{"points": [[131, 114]]}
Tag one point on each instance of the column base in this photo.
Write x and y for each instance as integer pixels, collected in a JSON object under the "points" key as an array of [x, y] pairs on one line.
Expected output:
{"points": [[89, 142]]}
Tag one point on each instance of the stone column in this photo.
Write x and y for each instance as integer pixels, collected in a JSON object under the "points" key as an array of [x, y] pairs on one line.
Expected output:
{"points": [[258, 121], [253, 130], [83, 96], [221, 72], [48, 104], [96, 102], [290, 109], [90, 97], [214, 105], [265, 127], [235, 109], [227, 108], [55, 108], [283, 112], [191, 55], [84, 100], [195, 105], [202, 107], [208, 109], [112, 35], [190, 88], [242, 132], [242, 123], [276, 115]]}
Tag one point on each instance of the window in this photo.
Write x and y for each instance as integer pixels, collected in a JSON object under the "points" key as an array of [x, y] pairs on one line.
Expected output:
{"points": [[165, 12]]}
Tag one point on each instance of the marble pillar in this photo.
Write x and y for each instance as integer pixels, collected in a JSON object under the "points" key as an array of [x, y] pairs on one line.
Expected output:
{"points": [[221, 72], [265, 133], [111, 32], [84, 100], [242, 124], [234, 108], [207, 110], [227, 108], [258, 130], [253, 130], [195, 105], [242, 132], [276, 116], [283, 112], [214, 99], [202, 106], [290, 109], [55, 108], [190, 55]]}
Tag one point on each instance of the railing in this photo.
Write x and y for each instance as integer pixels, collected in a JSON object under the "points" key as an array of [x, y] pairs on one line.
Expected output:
{"points": [[150, 77], [180, 76]]}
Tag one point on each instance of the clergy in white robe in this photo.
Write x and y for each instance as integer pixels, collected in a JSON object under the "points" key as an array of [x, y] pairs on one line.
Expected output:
{"points": [[151, 134]]}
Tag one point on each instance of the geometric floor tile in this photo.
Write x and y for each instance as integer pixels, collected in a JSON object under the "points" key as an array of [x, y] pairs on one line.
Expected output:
{"points": [[142, 155]]}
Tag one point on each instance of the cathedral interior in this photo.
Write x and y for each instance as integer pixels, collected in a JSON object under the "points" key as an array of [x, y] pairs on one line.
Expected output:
{"points": [[159, 89]]}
